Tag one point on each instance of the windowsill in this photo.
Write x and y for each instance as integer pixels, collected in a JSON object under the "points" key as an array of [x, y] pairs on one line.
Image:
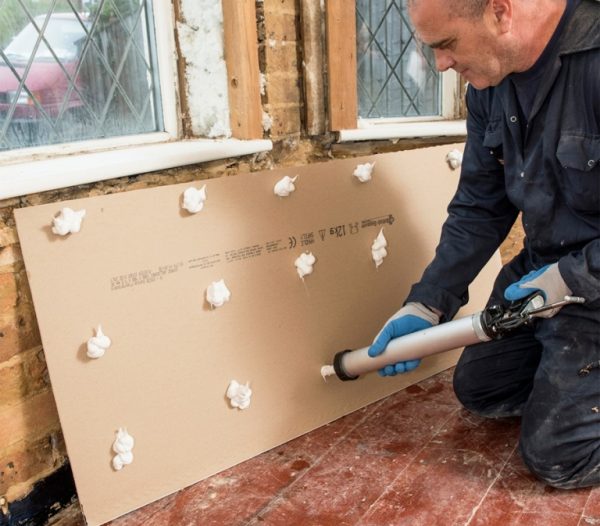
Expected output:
{"points": [[22, 178], [403, 130]]}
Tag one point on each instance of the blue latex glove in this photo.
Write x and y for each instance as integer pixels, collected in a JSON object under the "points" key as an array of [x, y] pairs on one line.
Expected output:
{"points": [[412, 317], [547, 280]]}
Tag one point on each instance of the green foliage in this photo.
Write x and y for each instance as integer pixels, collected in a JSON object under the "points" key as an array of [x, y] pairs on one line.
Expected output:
{"points": [[110, 10]]}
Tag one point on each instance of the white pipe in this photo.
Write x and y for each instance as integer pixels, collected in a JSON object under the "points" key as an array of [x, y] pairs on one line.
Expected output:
{"points": [[404, 130], [69, 170]]}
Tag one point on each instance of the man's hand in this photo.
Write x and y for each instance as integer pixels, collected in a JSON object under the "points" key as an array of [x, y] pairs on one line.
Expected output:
{"points": [[412, 317], [547, 280]]}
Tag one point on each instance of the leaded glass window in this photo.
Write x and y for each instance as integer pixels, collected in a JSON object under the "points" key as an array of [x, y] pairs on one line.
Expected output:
{"points": [[397, 76], [73, 70]]}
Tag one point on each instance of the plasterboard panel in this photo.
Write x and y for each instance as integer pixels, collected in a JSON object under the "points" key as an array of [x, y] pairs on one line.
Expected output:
{"points": [[140, 266]]}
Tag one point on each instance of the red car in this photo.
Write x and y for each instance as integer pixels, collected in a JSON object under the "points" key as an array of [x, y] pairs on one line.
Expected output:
{"points": [[48, 85]]}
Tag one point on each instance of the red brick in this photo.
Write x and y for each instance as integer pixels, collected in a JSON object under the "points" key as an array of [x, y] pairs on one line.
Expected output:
{"points": [[283, 90], [279, 6], [29, 419], [29, 459], [281, 26], [286, 120], [18, 331], [8, 292], [12, 380], [8, 236], [280, 58]]}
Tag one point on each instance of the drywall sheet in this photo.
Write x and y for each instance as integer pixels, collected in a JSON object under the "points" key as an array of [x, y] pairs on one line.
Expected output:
{"points": [[140, 267]]}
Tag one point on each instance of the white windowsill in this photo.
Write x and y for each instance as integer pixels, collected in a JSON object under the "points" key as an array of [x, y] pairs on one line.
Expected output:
{"points": [[404, 130], [34, 176]]}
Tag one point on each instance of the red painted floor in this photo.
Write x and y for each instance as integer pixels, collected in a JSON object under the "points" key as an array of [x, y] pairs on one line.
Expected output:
{"points": [[415, 458]]}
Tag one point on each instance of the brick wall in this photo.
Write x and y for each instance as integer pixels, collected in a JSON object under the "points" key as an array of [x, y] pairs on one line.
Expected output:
{"points": [[31, 444]]}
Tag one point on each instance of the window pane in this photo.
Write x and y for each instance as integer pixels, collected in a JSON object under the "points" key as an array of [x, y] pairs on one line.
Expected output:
{"points": [[73, 70], [396, 75]]}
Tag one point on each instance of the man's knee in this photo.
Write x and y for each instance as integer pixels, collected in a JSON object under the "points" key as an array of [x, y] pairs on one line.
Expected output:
{"points": [[481, 392], [558, 465]]}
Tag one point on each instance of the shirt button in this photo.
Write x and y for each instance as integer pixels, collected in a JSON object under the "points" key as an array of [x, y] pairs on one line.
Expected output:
{"points": [[513, 118], [522, 174], [591, 163]]}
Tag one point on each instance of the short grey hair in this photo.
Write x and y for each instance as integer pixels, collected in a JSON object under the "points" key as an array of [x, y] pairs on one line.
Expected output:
{"points": [[462, 8]]}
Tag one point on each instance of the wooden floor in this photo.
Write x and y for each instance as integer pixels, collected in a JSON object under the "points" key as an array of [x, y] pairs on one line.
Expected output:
{"points": [[415, 458]]}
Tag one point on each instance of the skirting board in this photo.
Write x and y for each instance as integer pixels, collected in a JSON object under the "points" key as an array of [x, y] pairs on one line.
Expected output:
{"points": [[140, 267]]}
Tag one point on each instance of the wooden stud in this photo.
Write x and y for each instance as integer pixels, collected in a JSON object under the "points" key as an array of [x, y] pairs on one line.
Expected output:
{"points": [[241, 56], [312, 51], [341, 63]]}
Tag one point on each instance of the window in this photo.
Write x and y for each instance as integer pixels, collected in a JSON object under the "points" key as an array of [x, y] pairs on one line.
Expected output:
{"points": [[89, 89], [77, 72], [383, 83]]}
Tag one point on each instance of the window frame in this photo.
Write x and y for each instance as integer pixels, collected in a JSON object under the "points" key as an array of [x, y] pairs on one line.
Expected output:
{"points": [[343, 90], [31, 170]]}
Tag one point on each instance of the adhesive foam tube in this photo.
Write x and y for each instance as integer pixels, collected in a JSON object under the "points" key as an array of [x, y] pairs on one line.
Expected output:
{"points": [[349, 365]]}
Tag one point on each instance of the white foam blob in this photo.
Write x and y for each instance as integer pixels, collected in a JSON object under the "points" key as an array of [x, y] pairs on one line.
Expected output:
{"points": [[68, 221], [378, 250], [363, 172], [97, 345], [304, 264], [454, 158], [327, 370], [285, 186], [122, 446], [239, 394], [193, 199], [217, 293]]}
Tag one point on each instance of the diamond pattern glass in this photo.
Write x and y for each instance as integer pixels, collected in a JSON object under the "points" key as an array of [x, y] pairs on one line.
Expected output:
{"points": [[397, 76], [73, 70]]}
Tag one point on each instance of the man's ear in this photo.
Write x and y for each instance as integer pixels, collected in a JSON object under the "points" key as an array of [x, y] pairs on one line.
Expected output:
{"points": [[502, 11]]}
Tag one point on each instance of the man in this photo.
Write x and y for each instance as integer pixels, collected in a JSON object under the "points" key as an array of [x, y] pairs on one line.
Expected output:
{"points": [[533, 146]]}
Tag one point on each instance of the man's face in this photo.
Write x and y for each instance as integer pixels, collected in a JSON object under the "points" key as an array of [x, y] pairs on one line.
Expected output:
{"points": [[470, 46]]}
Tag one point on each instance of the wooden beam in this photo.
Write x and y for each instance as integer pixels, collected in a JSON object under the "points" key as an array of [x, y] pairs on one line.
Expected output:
{"points": [[241, 56], [312, 52], [341, 64]]}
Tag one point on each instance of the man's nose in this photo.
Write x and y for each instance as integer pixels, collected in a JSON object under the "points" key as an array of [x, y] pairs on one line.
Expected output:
{"points": [[443, 60]]}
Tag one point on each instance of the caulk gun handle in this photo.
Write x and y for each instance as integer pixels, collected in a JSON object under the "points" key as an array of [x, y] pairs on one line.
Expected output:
{"points": [[349, 365]]}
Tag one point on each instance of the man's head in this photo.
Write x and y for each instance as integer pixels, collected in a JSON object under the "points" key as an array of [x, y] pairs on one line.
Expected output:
{"points": [[470, 36], [485, 40]]}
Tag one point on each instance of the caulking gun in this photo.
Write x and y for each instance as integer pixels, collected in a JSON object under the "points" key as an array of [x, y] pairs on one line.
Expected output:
{"points": [[491, 323]]}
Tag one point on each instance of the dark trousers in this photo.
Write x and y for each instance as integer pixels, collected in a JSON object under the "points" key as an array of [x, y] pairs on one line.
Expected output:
{"points": [[549, 375]]}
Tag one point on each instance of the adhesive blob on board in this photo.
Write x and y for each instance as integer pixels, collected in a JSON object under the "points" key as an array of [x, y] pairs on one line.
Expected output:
{"points": [[304, 264], [123, 447], [217, 293], [97, 345], [454, 158], [193, 199], [378, 250], [285, 186], [68, 221], [363, 172], [239, 394]]}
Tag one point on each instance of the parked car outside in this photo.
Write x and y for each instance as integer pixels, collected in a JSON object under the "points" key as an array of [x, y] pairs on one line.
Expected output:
{"points": [[47, 81]]}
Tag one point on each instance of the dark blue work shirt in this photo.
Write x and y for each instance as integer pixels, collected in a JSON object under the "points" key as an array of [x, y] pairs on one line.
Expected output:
{"points": [[549, 171], [528, 82]]}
